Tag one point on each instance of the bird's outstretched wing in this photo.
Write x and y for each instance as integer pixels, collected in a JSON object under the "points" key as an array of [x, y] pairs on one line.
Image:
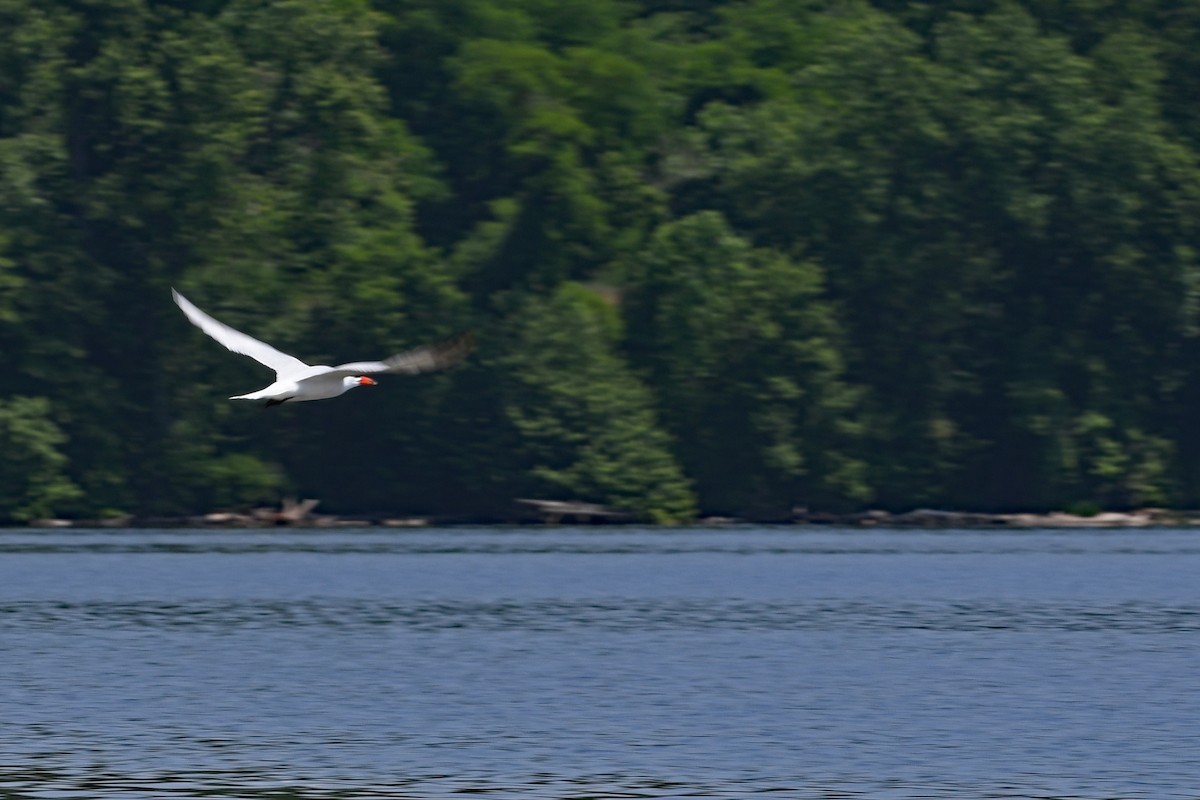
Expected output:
{"points": [[426, 358], [238, 342]]}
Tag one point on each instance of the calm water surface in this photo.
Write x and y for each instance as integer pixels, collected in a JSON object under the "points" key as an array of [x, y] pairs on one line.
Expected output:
{"points": [[599, 663]]}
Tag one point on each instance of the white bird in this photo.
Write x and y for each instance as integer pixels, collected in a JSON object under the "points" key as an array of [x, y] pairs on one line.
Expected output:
{"points": [[297, 382]]}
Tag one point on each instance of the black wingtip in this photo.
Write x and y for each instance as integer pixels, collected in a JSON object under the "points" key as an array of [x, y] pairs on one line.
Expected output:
{"points": [[456, 348], [465, 341]]}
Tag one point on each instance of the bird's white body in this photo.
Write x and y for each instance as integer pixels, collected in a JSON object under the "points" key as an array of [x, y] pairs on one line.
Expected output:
{"points": [[322, 385], [297, 382]]}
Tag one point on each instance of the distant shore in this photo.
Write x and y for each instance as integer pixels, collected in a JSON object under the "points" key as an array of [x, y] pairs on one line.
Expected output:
{"points": [[550, 512]]}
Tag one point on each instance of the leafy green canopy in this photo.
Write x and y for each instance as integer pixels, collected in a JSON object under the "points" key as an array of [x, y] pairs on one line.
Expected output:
{"points": [[582, 425], [744, 356], [732, 256], [33, 482]]}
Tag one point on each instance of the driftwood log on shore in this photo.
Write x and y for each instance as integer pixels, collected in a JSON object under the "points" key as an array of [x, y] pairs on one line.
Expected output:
{"points": [[554, 512]]}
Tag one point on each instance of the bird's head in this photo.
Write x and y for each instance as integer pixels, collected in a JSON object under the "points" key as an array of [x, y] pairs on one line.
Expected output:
{"points": [[361, 380]]}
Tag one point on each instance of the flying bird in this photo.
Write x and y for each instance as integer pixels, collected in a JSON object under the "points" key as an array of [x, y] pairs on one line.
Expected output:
{"points": [[297, 382]]}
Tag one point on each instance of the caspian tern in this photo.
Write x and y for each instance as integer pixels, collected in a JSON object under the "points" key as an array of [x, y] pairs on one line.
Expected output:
{"points": [[296, 382]]}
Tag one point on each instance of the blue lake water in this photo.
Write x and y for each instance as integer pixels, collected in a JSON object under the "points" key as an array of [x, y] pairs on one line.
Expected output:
{"points": [[599, 663]]}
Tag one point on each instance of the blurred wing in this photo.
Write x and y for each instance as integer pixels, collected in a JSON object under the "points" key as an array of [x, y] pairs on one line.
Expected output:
{"points": [[238, 342], [426, 358]]}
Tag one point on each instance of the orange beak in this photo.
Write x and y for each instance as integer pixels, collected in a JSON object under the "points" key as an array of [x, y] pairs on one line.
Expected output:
{"points": [[365, 381]]}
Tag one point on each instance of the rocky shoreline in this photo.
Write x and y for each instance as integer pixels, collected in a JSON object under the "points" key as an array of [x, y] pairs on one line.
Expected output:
{"points": [[302, 514], [934, 518]]}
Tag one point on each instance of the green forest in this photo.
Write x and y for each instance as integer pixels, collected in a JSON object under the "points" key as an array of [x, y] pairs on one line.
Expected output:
{"points": [[720, 257]]}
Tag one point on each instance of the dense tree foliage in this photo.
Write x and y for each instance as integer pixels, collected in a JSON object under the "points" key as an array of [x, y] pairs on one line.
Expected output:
{"points": [[724, 257]]}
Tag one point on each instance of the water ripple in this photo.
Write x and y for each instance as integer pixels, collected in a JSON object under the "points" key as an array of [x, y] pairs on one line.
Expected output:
{"points": [[615, 614], [42, 784]]}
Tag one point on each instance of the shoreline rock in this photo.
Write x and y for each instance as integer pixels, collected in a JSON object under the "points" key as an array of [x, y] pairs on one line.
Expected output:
{"points": [[974, 520], [293, 514]]}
